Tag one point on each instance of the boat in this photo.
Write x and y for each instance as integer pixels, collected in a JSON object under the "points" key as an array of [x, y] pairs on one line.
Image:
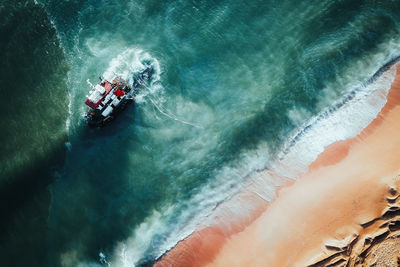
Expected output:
{"points": [[108, 98]]}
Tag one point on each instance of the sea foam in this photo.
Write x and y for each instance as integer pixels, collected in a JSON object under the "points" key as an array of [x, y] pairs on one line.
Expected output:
{"points": [[343, 120]]}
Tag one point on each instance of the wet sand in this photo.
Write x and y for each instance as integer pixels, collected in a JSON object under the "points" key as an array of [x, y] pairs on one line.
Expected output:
{"points": [[336, 213]]}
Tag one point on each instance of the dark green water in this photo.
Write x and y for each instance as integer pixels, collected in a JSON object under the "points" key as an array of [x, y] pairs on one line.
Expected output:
{"points": [[234, 80]]}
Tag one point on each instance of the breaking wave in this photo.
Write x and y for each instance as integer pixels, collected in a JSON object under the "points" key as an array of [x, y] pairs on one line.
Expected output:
{"points": [[344, 119]]}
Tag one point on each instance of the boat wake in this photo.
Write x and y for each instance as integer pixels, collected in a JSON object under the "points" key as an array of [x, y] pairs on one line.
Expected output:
{"points": [[131, 61]]}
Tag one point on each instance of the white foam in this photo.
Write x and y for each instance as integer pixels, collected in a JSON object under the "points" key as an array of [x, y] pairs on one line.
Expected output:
{"points": [[129, 252], [333, 125], [68, 121], [132, 60]]}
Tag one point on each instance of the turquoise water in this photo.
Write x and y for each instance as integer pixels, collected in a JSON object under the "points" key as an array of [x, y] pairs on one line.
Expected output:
{"points": [[233, 81]]}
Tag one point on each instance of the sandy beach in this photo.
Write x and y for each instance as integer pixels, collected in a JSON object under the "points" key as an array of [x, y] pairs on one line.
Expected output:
{"points": [[344, 210]]}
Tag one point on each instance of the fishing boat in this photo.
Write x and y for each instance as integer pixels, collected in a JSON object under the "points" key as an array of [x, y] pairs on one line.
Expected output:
{"points": [[108, 98]]}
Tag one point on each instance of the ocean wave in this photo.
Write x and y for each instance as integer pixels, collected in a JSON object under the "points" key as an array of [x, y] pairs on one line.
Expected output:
{"points": [[344, 119]]}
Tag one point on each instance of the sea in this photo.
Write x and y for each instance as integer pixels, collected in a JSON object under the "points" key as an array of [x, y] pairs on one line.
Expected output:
{"points": [[238, 87]]}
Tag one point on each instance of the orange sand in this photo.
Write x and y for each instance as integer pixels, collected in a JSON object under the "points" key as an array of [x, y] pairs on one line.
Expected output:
{"points": [[345, 187]]}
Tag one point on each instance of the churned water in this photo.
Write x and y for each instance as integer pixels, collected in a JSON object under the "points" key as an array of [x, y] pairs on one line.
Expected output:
{"points": [[234, 82]]}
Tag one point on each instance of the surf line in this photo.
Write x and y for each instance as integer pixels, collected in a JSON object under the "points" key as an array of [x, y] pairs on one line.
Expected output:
{"points": [[173, 117]]}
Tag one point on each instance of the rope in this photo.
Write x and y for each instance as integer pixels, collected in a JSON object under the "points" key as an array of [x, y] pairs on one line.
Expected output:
{"points": [[171, 116]]}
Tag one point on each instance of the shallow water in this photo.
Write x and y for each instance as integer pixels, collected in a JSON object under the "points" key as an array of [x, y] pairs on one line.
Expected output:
{"points": [[233, 82]]}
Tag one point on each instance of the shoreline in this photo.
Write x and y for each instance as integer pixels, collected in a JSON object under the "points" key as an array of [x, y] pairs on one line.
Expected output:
{"points": [[218, 247], [333, 208]]}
